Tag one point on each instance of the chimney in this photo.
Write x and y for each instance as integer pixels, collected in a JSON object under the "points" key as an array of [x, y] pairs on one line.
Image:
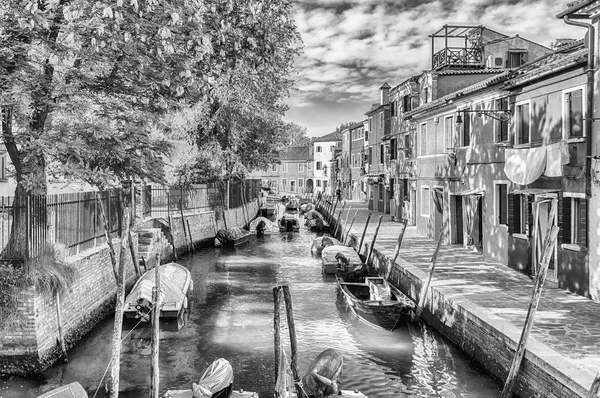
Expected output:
{"points": [[385, 94]]}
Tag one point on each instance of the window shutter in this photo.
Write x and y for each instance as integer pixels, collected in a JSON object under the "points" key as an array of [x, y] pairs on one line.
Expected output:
{"points": [[512, 213], [529, 209], [564, 220], [583, 214]]}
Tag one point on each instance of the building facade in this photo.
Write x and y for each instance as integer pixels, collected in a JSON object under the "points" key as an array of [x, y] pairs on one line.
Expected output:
{"points": [[324, 149]]}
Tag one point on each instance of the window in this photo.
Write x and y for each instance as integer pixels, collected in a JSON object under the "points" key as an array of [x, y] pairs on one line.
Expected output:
{"points": [[319, 148], [449, 133], [518, 214], [3, 167], [466, 128], [319, 165], [367, 134], [274, 167], [353, 161], [425, 95], [381, 192], [381, 153], [423, 139], [381, 120], [516, 58], [393, 109], [523, 127], [300, 182], [407, 147], [573, 112], [284, 167], [500, 125], [501, 207], [393, 149], [406, 103], [425, 201], [319, 183], [370, 123], [309, 164], [301, 167], [284, 182], [573, 219], [370, 155]]}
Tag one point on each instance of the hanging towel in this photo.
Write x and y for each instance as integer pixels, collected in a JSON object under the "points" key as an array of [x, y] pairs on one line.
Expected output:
{"points": [[284, 386], [557, 155], [524, 166]]}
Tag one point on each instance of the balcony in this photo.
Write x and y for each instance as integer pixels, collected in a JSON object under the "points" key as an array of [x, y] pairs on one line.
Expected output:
{"points": [[458, 57]]}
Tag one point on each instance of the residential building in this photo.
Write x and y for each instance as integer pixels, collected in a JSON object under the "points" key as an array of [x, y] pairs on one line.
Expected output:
{"points": [[344, 172], [292, 173], [324, 149], [379, 189], [489, 183], [403, 98], [357, 161]]}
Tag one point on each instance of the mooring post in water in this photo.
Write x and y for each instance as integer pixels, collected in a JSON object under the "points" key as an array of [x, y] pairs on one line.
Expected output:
{"points": [[292, 329], [61, 336], [276, 328], [348, 231], [118, 322], [155, 343], [337, 222], [332, 214], [425, 288], [373, 241], [190, 235], [548, 247], [183, 225], [403, 223], [362, 238], [346, 220], [172, 237]]}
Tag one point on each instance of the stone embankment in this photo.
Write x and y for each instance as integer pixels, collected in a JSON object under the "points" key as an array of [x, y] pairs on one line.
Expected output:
{"points": [[33, 345], [481, 306]]}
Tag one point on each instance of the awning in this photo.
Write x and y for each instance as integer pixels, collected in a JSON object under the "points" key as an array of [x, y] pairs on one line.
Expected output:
{"points": [[469, 192]]}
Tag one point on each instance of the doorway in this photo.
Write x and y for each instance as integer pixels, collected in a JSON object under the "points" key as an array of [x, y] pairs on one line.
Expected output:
{"points": [[541, 221]]}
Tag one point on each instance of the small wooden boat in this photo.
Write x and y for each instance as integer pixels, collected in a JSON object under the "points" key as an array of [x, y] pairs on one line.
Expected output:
{"points": [[216, 381], [288, 223], [176, 285], [72, 390], [305, 207], [323, 241], [375, 300], [232, 236], [340, 259], [262, 225]]}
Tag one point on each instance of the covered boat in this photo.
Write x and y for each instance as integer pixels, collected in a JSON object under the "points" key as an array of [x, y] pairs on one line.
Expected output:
{"points": [[176, 285], [262, 225], [216, 382], [231, 236], [305, 207], [340, 259], [288, 223], [72, 390], [323, 241], [375, 300]]}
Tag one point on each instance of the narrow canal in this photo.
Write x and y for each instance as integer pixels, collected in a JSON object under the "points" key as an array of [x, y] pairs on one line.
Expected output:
{"points": [[232, 317]]}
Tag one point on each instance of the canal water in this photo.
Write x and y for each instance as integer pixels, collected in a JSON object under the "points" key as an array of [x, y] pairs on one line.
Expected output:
{"points": [[232, 318]]}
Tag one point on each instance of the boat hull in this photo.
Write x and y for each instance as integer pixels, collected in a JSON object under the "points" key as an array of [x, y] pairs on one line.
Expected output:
{"points": [[379, 313], [330, 265], [72, 390]]}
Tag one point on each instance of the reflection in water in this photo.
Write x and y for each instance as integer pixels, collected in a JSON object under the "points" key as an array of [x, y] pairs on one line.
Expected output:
{"points": [[232, 317]]}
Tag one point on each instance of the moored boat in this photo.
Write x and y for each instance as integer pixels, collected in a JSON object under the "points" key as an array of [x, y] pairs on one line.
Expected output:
{"points": [[375, 300], [176, 286], [288, 223], [232, 236], [323, 241], [71, 390], [340, 259], [262, 225]]}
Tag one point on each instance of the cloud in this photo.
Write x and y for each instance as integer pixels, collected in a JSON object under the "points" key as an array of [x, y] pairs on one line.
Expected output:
{"points": [[351, 47]]}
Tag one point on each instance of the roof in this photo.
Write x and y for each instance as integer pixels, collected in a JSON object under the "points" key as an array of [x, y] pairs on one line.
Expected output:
{"points": [[385, 85], [582, 8], [295, 153], [357, 125], [470, 71], [542, 66], [328, 138]]}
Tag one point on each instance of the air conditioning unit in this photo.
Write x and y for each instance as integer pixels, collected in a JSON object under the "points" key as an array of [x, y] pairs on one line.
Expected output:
{"points": [[495, 62]]}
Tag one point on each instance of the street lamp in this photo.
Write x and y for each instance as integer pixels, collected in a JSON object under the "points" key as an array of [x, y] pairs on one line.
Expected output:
{"points": [[503, 115]]}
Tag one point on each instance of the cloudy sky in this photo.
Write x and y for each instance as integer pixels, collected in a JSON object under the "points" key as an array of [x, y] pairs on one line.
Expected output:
{"points": [[351, 47]]}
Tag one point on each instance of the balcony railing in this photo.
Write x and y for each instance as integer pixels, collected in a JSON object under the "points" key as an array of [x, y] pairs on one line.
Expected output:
{"points": [[458, 57]]}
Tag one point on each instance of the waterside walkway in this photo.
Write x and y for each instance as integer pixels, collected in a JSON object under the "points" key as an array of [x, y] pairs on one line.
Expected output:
{"points": [[565, 338]]}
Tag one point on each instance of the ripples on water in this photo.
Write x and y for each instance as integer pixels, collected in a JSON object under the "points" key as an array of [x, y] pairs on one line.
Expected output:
{"points": [[232, 317]]}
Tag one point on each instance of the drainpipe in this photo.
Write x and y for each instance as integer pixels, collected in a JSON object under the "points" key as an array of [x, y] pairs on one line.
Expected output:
{"points": [[590, 106]]}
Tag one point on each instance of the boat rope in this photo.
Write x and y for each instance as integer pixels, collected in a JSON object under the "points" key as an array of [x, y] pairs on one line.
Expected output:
{"points": [[299, 383], [109, 362]]}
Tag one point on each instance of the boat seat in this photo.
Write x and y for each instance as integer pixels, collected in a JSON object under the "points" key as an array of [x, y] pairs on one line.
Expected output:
{"points": [[379, 292]]}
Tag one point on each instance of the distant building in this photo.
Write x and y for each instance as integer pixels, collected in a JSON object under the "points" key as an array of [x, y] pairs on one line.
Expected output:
{"points": [[357, 161], [324, 149], [292, 173]]}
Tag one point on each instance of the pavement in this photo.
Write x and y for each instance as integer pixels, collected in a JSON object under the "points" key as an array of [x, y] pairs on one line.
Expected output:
{"points": [[565, 322]]}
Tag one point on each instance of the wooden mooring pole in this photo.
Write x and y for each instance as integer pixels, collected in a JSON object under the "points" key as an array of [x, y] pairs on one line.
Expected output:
{"points": [[362, 238], [155, 342], [351, 224], [187, 222], [548, 251], [404, 223], [337, 222], [425, 288], [183, 225], [276, 328], [118, 321], [373, 241], [173, 237], [61, 336]]}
